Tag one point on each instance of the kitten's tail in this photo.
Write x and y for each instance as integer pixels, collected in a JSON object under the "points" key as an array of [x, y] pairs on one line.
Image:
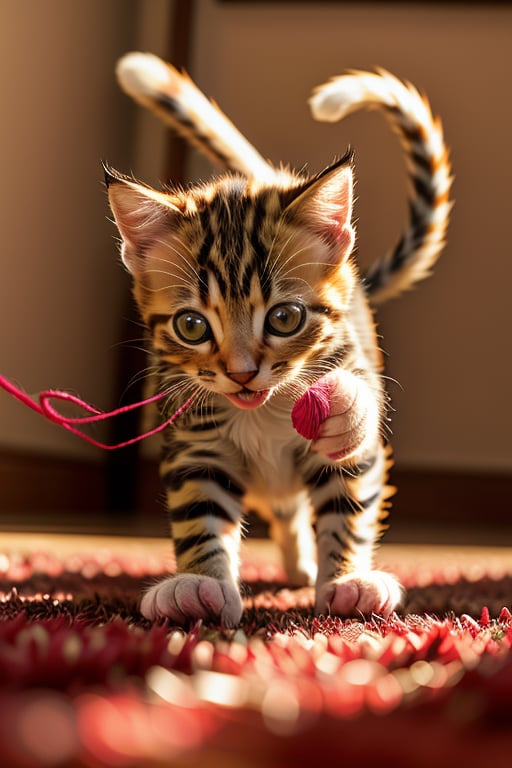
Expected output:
{"points": [[174, 98], [429, 168]]}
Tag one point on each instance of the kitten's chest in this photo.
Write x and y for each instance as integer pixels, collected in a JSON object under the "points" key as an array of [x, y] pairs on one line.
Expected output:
{"points": [[268, 443]]}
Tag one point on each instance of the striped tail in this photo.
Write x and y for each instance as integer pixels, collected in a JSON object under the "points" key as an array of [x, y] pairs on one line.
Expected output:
{"points": [[429, 169], [174, 98]]}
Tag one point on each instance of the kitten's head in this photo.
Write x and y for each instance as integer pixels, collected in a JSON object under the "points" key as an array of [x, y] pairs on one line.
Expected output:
{"points": [[244, 286]]}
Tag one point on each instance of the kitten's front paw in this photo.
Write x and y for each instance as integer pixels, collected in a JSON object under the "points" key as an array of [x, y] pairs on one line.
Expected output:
{"points": [[189, 596], [340, 413], [357, 594]]}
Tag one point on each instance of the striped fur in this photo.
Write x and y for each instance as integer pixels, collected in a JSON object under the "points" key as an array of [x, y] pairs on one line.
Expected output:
{"points": [[177, 101], [421, 136], [250, 292], [174, 98]]}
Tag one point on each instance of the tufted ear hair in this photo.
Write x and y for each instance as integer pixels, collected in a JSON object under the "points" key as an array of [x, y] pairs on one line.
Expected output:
{"points": [[141, 213], [324, 204]]}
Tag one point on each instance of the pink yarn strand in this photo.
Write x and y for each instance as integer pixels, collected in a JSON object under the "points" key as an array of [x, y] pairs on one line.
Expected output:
{"points": [[46, 409]]}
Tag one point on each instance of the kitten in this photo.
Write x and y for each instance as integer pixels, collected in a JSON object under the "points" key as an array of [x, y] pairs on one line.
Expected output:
{"points": [[254, 303]]}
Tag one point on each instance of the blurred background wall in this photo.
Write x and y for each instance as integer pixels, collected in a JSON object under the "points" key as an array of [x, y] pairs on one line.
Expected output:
{"points": [[64, 298], [449, 340], [63, 293]]}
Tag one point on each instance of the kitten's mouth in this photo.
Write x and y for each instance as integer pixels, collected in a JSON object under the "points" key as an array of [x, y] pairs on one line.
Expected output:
{"points": [[248, 400]]}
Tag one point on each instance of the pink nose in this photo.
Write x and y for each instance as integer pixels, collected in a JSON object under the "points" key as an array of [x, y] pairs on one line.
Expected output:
{"points": [[241, 377]]}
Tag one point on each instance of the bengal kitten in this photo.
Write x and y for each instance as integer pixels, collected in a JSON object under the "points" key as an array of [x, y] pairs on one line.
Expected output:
{"points": [[251, 294]]}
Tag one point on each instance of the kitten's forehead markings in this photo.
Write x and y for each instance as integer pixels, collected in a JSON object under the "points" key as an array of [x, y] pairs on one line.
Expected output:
{"points": [[214, 293], [255, 294], [214, 300], [257, 304], [258, 320]]}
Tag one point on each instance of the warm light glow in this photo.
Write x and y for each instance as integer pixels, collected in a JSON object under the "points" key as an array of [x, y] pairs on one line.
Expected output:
{"points": [[202, 655], [281, 708], [217, 688], [385, 695], [170, 686], [362, 671], [328, 663], [46, 729], [176, 642]]}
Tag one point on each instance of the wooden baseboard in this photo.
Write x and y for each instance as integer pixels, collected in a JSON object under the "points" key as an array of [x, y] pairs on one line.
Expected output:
{"points": [[440, 499], [38, 491], [40, 482], [54, 493], [429, 495]]}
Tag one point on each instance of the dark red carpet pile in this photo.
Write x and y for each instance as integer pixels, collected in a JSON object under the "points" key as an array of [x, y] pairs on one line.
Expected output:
{"points": [[86, 681]]}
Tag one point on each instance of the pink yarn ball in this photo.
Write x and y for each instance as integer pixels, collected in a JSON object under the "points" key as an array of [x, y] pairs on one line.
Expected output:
{"points": [[312, 409]]}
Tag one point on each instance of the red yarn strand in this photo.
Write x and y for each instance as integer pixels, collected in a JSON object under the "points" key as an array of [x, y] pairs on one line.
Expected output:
{"points": [[44, 407]]}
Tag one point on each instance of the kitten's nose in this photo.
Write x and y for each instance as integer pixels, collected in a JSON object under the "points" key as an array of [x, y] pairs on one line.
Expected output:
{"points": [[241, 377]]}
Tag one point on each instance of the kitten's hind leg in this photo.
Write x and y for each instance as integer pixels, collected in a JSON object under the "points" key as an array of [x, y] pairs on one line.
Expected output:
{"points": [[291, 528]]}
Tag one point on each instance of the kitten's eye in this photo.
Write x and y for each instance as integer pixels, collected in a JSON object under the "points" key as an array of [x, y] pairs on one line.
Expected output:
{"points": [[191, 327], [285, 319]]}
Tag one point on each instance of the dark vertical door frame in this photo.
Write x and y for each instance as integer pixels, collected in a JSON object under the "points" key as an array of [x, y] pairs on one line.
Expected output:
{"points": [[122, 466], [180, 41]]}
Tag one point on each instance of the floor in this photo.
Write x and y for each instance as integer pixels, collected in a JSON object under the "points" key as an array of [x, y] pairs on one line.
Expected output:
{"points": [[156, 527], [401, 553]]}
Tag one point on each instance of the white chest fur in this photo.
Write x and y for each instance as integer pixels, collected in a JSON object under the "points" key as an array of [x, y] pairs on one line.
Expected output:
{"points": [[269, 444]]}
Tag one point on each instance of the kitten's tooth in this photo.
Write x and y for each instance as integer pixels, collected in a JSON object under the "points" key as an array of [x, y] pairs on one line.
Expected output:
{"points": [[247, 395]]}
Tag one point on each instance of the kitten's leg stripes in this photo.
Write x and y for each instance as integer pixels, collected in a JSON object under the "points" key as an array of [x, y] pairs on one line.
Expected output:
{"points": [[294, 535], [205, 506], [350, 509], [348, 583]]}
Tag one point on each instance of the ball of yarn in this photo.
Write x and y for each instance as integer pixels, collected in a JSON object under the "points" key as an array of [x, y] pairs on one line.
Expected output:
{"points": [[312, 409]]}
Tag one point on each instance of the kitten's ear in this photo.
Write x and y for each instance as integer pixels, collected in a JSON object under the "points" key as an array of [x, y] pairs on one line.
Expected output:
{"points": [[141, 215], [325, 206]]}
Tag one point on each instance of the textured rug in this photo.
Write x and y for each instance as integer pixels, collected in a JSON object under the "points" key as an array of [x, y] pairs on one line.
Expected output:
{"points": [[86, 681]]}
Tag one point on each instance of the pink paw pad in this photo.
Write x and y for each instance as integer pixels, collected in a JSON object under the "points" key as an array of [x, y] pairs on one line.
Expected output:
{"points": [[190, 596], [375, 592]]}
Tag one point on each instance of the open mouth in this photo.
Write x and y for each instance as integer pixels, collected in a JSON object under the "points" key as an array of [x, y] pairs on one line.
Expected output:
{"points": [[248, 400]]}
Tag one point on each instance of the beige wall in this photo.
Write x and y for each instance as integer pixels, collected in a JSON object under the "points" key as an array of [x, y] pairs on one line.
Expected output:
{"points": [[449, 341], [63, 293]]}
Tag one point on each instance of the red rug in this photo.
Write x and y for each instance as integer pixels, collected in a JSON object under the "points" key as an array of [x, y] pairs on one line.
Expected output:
{"points": [[86, 681]]}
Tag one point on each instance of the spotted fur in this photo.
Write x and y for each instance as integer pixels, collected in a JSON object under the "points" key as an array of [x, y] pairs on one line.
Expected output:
{"points": [[250, 291]]}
